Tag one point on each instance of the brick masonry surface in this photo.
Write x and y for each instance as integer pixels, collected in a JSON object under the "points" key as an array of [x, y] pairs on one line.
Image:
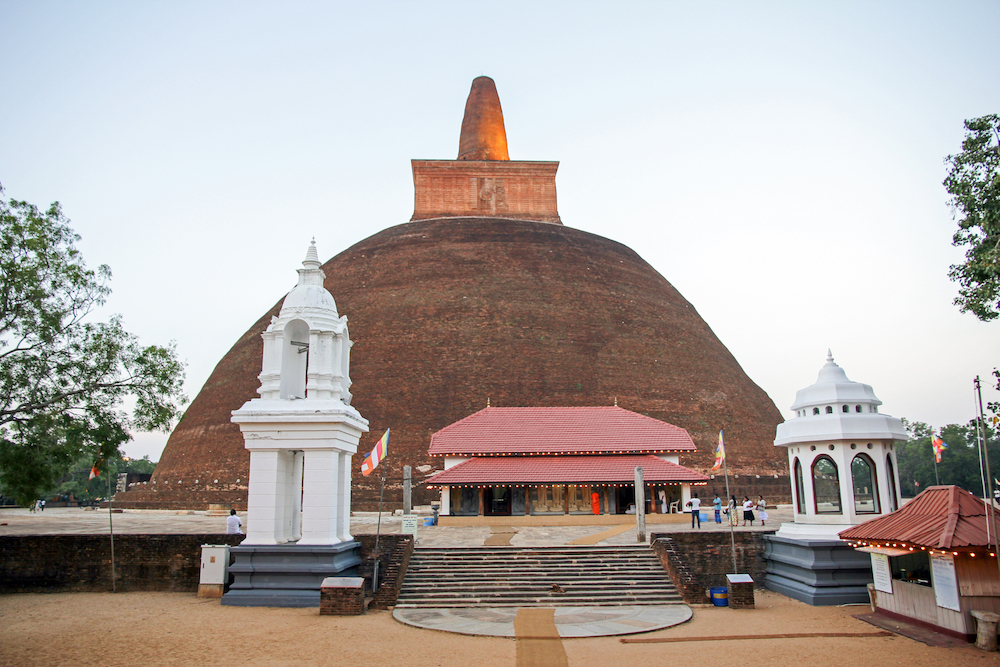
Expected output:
{"points": [[741, 595], [78, 563], [82, 563], [699, 561], [342, 600], [447, 312], [394, 552]]}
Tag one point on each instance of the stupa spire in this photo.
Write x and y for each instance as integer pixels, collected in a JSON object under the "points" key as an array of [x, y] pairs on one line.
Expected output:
{"points": [[483, 134]]}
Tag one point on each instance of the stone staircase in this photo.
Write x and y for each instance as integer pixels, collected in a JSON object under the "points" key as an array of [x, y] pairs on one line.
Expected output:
{"points": [[536, 577]]}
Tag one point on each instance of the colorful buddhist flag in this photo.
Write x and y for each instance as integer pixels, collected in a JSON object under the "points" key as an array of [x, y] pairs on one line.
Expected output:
{"points": [[720, 453], [376, 455], [95, 471], [939, 446]]}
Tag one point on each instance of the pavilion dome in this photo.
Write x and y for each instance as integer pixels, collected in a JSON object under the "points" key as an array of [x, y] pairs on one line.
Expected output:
{"points": [[832, 387]]}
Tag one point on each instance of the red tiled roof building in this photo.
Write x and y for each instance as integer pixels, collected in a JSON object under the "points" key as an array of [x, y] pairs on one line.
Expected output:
{"points": [[934, 560], [560, 460]]}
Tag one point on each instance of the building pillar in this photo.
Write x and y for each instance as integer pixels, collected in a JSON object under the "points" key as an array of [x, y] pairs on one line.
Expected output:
{"points": [[344, 491], [296, 496], [481, 493], [445, 501], [321, 483], [607, 501], [565, 498], [266, 498]]}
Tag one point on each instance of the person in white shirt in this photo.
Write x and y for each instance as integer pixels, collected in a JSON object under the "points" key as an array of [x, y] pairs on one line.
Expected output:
{"points": [[695, 506], [748, 506], [233, 524]]}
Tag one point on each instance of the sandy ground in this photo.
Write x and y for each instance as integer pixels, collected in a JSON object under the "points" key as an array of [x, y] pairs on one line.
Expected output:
{"points": [[82, 629]]}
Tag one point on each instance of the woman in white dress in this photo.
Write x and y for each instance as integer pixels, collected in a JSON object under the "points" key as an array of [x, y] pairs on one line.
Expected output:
{"points": [[761, 507]]}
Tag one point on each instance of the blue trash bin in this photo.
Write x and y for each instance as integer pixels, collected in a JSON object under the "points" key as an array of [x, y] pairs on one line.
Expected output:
{"points": [[720, 596]]}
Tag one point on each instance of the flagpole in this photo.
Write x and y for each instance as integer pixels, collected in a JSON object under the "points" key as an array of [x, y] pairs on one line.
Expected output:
{"points": [[991, 516], [378, 528], [732, 534], [111, 527], [937, 479]]}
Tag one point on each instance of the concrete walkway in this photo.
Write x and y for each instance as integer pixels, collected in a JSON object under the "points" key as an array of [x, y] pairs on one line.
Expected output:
{"points": [[569, 621], [72, 520]]}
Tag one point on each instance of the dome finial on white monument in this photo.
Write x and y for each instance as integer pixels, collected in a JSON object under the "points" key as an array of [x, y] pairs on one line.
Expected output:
{"points": [[829, 356], [312, 257]]}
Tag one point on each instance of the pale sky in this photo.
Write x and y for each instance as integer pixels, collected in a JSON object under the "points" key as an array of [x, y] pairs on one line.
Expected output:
{"points": [[780, 163]]}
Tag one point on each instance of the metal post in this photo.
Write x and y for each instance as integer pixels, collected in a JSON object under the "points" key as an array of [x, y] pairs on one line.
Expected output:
{"points": [[989, 482], [378, 529], [732, 534], [407, 489], [111, 527], [640, 505]]}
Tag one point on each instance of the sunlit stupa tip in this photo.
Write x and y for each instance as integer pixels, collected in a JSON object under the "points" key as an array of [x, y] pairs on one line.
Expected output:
{"points": [[483, 134]]}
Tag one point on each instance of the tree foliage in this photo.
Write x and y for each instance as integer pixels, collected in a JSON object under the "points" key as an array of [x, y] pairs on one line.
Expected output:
{"points": [[974, 183], [76, 484], [64, 379], [959, 463]]}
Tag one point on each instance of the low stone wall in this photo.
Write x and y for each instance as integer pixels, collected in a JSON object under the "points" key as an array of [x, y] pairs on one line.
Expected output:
{"points": [[82, 563], [78, 563], [394, 552], [697, 561]]}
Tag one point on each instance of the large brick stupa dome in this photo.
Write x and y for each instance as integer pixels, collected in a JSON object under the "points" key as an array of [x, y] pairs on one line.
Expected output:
{"points": [[486, 295]]}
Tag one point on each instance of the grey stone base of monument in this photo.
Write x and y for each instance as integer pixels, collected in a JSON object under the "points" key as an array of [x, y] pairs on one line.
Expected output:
{"points": [[287, 575], [816, 571]]}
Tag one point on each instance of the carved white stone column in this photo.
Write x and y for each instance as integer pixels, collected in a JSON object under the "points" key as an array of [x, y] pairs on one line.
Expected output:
{"points": [[297, 496], [320, 482], [266, 498], [344, 506]]}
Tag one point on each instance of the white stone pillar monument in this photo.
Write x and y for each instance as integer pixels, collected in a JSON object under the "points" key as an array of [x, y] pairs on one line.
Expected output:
{"points": [[301, 432]]}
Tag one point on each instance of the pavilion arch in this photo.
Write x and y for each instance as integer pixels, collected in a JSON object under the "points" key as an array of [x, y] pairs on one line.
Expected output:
{"points": [[864, 482], [826, 486], [294, 359], [800, 497]]}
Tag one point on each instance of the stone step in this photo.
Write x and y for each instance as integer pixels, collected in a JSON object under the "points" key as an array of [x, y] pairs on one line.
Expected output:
{"points": [[523, 576]]}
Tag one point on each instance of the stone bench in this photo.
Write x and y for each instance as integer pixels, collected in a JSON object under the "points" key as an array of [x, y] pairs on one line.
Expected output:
{"points": [[342, 596]]}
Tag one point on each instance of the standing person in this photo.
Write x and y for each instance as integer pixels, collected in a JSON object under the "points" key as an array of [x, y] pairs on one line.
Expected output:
{"points": [[695, 506], [761, 507], [734, 512], [663, 501], [233, 524], [747, 511], [718, 508]]}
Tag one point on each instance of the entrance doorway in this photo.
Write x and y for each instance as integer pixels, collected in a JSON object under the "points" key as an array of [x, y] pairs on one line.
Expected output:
{"points": [[497, 501]]}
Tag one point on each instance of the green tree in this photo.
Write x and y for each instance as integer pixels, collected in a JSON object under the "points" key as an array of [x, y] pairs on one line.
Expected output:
{"points": [[78, 484], [974, 185], [959, 463], [64, 380]]}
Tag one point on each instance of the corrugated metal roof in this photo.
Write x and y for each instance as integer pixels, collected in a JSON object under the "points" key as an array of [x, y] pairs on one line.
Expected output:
{"points": [[561, 430], [608, 469], [942, 517]]}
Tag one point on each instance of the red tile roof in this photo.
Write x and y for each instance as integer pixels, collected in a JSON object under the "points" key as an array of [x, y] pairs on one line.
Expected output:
{"points": [[942, 517], [582, 430], [607, 469]]}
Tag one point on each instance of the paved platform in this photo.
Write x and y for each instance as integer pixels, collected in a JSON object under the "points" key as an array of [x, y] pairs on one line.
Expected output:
{"points": [[73, 520], [569, 621]]}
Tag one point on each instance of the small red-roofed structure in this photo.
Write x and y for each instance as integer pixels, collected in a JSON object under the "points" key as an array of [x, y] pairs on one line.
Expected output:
{"points": [[548, 461], [934, 560]]}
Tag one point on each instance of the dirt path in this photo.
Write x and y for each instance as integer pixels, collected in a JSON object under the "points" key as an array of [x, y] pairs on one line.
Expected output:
{"points": [[83, 629]]}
